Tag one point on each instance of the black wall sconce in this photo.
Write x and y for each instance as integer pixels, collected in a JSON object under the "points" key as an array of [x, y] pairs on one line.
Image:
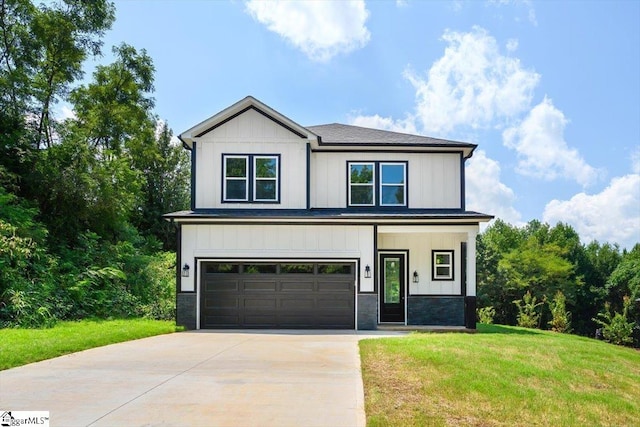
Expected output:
{"points": [[367, 272], [416, 277], [185, 270]]}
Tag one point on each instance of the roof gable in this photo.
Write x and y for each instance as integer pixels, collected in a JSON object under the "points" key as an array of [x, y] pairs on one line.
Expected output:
{"points": [[237, 109]]}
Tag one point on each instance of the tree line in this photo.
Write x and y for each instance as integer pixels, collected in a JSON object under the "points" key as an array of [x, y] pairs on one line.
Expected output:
{"points": [[81, 198], [544, 277]]}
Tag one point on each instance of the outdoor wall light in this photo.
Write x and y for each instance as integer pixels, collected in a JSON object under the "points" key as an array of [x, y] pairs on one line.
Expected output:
{"points": [[367, 272], [416, 277], [185, 270]]}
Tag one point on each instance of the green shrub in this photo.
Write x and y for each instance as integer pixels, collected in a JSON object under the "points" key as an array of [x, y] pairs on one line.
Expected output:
{"points": [[528, 316], [560, 317], [616, 327], [486, 315]]}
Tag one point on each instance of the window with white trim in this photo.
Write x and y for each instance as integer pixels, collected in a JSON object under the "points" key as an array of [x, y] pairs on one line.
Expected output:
{"points": [[361, 184], [442, 265], [250, 178], [392, 184], [265, 180], [377, 184], [236, 178]]}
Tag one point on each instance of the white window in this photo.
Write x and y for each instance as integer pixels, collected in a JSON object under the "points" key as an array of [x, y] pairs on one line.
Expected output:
{"points": [[392, 184], [442, 265], [377, 184], [265, 178], [361, 184], [236, 178], [251, 178]]}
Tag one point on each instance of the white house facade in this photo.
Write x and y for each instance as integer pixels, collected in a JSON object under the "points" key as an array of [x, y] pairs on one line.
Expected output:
{"points": [[329, 226]]}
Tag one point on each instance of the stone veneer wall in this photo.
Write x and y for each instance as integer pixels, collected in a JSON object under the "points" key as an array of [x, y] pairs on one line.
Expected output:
{"points": [[436, 310], [186, 310], [367, 311]]}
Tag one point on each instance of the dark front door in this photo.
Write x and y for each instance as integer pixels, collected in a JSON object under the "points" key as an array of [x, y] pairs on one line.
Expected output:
{"points": [[392, 283]]}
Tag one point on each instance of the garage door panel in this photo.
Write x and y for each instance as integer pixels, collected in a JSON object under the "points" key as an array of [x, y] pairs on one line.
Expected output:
{"points": [[221, 285], [333, 304], [297, 304], [225, 303], [254, 285], [298, 286], [297, 295], [222, 321], [335, 286]]}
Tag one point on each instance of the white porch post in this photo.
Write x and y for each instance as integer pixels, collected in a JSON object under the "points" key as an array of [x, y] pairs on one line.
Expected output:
{"points": [[471, 263]]}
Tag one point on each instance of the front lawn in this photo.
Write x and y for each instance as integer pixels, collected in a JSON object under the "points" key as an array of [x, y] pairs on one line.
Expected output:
{"points": [[502, 376], [22, 346]]}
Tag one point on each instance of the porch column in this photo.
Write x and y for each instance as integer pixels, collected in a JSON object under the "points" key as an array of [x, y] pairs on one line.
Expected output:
{"points": [[470, 298]]}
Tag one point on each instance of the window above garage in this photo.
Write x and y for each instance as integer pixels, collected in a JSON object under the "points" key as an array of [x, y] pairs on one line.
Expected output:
{"points": [[251, 178]]}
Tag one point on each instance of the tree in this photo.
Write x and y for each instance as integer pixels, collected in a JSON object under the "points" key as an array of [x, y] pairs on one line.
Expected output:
{"points": [[624, 282], [166, 170], [595, 265], [94, 184], [493, 289], [41, 54], [116, 107]]}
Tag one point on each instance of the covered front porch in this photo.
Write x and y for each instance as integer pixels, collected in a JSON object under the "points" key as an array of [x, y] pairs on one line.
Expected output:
{"points": [[424, 275]]}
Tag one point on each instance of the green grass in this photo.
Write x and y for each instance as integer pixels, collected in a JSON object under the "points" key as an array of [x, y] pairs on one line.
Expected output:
{"points": [[22, 346], [502, 376]]}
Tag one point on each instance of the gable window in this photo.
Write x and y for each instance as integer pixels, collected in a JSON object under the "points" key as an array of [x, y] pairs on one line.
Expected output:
{"points": [[361, 184], [250, 178], [442, 266], [377, 184], [236, 178], [265, 184]]}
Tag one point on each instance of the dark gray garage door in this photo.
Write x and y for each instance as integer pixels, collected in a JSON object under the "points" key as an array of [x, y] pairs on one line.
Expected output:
{"points": [[300, 295]]}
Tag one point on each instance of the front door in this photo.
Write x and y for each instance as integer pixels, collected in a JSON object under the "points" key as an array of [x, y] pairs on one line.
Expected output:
{"points": [[392, 283]]}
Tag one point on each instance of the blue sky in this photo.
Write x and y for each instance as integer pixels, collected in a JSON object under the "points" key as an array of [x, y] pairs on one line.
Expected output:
{"points": [[549, 90]]}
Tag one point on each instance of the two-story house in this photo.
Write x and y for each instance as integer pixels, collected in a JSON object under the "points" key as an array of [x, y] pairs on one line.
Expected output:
{"points": [[329, 226]]}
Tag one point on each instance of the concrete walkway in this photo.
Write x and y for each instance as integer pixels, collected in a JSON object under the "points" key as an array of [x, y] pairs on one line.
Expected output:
{"points": [[204, 378]]}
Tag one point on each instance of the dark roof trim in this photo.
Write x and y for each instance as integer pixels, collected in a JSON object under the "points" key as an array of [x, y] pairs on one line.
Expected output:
{"points": [[322, 214], [244, 110], [212, 221], [184, 144]]}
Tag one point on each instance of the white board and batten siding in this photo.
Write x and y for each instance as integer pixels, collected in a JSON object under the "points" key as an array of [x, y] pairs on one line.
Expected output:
{"points": [[433, 178], [277, 242], [420, 247], [251, 133]]}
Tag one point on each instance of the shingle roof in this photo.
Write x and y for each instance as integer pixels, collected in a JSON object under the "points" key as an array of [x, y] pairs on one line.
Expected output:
{"points": [[336, 133]]}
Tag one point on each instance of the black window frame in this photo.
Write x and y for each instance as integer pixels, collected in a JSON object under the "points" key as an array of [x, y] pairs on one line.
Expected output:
{"points": [[251, 178], [378, 184], [434, 276]]}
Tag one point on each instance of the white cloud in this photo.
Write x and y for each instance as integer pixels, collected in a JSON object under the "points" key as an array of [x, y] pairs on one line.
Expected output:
{"points": [[473, 84], [320, 29], [385, 123], [512, 45], [542, 150], [610, 216], [485, 192]]}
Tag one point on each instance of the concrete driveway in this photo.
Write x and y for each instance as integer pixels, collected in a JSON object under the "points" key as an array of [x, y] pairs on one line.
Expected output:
{"points": [[203, 378]]}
